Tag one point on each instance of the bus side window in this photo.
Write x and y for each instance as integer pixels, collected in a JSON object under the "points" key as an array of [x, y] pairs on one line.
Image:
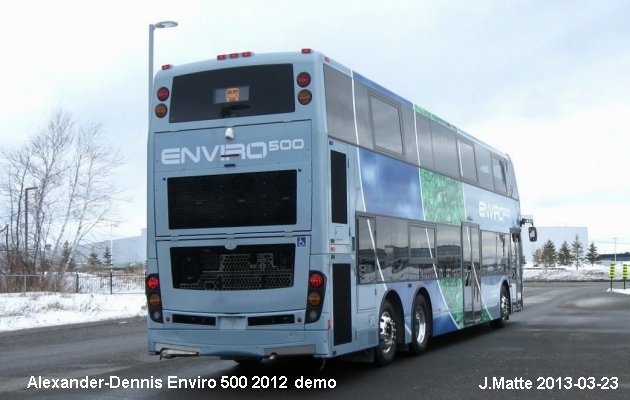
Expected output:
{"points": [[339, 109], [425, 142], [498, 170], [386, 124], [484, 168], [366, 256]]}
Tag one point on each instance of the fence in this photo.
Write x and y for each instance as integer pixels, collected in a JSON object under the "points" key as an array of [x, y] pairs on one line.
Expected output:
{"points": [[111, 283]]}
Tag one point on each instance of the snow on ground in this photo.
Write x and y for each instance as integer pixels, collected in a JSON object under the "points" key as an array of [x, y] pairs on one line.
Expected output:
{"points": [[40, 309], [596, 272]]}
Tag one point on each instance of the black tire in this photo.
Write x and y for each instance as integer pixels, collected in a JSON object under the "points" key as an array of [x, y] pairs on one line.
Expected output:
{"points": [[421, 326], [504, 307], [386, 350]]}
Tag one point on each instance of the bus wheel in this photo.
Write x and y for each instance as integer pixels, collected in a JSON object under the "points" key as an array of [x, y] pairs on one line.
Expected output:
{"points": [[504, 308], [386, 349], [422, 326]]}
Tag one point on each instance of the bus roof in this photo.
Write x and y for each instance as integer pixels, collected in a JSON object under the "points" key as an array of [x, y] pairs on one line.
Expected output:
{"points": [[248, 58]]}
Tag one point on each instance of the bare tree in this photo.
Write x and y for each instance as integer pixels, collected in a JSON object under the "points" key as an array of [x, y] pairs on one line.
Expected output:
{"points": [[90, 188], [71, 169], [16, 167], [49, 150]]}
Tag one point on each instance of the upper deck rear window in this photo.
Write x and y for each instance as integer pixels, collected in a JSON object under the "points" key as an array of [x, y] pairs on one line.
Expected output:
{"points": [[233, 92]]}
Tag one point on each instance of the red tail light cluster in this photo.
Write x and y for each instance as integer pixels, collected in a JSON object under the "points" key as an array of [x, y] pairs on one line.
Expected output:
{"points": [[304, 96], [162, 95], [315, 297], [154, 298]]}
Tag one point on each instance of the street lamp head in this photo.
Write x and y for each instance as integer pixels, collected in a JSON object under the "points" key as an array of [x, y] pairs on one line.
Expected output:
{"points": [[166, 24]]}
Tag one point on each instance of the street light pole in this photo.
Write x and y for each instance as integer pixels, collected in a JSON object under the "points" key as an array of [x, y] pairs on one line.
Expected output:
{"points": [[153, 27], [26, 222], [615, 239], [111, 245]]}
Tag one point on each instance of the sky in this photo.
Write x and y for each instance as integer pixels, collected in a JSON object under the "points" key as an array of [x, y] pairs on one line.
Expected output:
{"points": [[546, 82]]}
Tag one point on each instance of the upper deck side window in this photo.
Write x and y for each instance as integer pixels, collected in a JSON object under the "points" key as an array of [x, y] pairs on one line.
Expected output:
{"points": [[339, 108], [378, 122], [498, 170], [425, 142], [484, 167], [386, 124], [513, 189], [467, 167], [444, 150]]}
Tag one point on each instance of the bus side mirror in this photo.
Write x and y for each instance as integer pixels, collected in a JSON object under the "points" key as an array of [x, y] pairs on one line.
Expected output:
{"points": [[533, 234]]}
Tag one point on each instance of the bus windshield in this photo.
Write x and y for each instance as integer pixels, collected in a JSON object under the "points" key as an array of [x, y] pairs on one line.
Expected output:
{"points": [[233, 92]]}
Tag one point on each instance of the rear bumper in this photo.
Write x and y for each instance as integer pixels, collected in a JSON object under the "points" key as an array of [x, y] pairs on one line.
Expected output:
{"points": [[239, 343]]}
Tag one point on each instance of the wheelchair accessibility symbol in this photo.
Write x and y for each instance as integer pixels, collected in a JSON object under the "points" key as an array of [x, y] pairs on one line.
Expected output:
{"points": [[301, 241]]}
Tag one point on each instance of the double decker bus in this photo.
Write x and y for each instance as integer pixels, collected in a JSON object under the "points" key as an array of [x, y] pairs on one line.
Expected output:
{"points": [[295, 207]]}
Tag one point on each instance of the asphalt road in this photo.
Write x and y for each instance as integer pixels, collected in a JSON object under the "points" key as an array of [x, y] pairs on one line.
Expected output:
{"points": [[571, 342]]}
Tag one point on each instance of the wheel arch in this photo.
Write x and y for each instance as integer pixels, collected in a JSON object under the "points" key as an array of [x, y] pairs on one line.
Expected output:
{"points": [[506, 285], [422, 291], [394, 299]]}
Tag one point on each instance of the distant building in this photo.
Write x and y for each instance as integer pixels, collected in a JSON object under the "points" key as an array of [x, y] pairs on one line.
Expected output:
{"points": [[125, 251], [608, 258]]}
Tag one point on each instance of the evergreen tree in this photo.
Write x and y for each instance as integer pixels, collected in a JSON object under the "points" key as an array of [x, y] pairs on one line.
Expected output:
{"points": [[592, 255], [93, 261], [67, 257], [564, 254], [577, 252], [107, 258], [549, 254], [537, 257]]}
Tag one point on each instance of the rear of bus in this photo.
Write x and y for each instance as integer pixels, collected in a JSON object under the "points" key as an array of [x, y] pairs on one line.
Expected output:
{"points": [[235, 268]]}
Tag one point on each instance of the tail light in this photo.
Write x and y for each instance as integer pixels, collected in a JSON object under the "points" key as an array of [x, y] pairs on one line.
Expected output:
{"points": [[161, 110], [316, 280], [305, 96], [154, 298], [315, 296], [303, 80], [163, 94]]}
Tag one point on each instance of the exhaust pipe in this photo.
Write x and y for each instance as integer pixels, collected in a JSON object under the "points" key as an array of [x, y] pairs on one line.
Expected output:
{"points": [[168, 354]]}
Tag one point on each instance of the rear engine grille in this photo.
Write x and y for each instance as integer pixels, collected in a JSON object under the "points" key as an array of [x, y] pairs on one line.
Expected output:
{"points": [[253, 267], [232, 200]]}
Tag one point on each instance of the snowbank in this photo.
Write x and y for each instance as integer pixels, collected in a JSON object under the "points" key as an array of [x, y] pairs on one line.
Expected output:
{"points": [[595, 272], [38, 309]]}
